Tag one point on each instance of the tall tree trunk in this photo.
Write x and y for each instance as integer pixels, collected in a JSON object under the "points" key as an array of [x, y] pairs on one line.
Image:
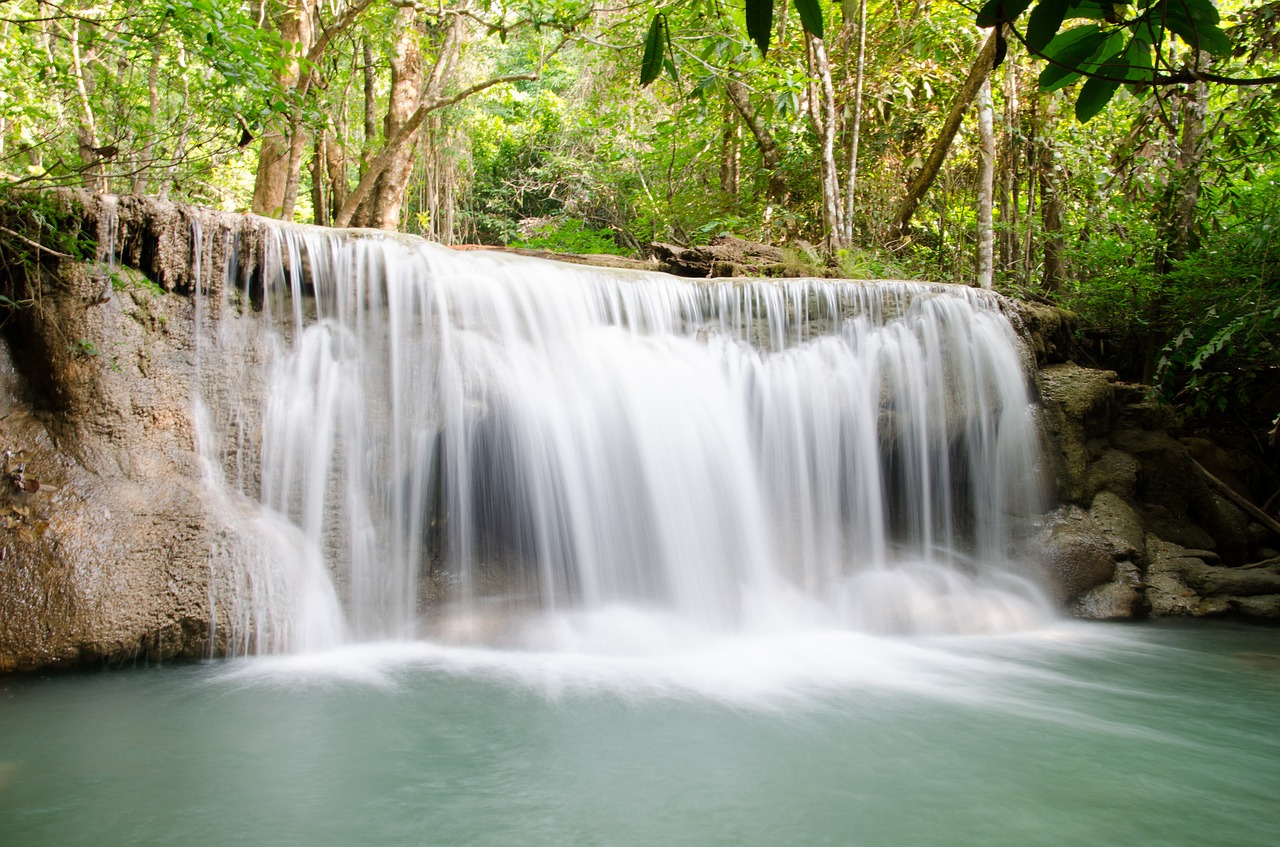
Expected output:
{"points": [[335, 163], [1008, 236], [1051, 211], [852, 185], [370, 74], [981, 69], [381, 208], [319, 194], [432, 99], [1182, 192], [92, 171], [1177, 236], [730, 154], [986, 187], [822, 109]]}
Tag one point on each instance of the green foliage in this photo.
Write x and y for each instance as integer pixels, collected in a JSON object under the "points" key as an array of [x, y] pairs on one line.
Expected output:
{"points": [[83, 348], [151, 95], [570, 235], [1128, 44]]}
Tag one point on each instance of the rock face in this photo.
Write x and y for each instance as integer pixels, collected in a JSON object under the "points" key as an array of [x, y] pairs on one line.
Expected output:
{"points": [[1141, 529], [106, 534]]}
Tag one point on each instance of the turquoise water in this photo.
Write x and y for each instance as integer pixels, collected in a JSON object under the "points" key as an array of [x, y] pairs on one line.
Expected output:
{"points": [[1079, 734]]}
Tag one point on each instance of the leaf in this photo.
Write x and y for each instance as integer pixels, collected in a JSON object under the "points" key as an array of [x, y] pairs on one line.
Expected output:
{"points": [[651, 64], [1044, 23], [1198, 29], [1138, 58], [1094, 95], [1067, 52], [810, 16], [760, 23], [1000, 11]]}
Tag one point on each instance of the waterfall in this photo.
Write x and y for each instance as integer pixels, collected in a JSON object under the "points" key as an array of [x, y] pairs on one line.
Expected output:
{"points": [[484, 448]]}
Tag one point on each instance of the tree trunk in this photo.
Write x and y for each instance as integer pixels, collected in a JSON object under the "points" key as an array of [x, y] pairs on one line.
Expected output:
{"points": [[432, 99], [335, 162], [271, 182], [1051, 211], [730, 154], [770, 154], [1177, 223], [852, 184], [92, 170], [1178, 236], [319, 196], [1009, 170], [986, 187], [370, 74], [381, 208], [981, 69], [823, 112]]}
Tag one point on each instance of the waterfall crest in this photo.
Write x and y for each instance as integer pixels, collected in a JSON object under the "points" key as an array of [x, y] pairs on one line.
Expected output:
{"points": [[486, 448]]}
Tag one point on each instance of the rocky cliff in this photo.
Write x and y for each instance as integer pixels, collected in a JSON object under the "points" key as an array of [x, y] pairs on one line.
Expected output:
{"points": [[1149, 524]]}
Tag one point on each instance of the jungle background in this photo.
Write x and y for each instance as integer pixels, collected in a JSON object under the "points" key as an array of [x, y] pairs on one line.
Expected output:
{"points": [[1118, 160]]}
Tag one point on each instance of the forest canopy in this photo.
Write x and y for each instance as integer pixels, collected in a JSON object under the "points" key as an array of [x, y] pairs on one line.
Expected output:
{"points": [[1115, 158]]}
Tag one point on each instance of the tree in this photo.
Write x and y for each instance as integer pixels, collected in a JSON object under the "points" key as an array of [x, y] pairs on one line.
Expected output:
{"points": [[973, 83], [139, 96]]}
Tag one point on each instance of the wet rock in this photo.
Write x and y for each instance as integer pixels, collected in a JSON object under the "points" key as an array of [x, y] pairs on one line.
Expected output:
{"points": [[1264, 607], [1047, 329], [1076, 553], [1176, 528], [1120, 599], [1114, 471], [1120, 525], [1209, 580], [1078, 404]]}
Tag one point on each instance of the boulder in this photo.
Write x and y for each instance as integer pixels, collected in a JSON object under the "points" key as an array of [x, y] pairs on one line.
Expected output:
{"points": [[1120, 599], [1076, 553]]}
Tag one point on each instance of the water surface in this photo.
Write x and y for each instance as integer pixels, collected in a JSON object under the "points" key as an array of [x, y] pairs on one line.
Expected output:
{"points": [[1078, 734]]}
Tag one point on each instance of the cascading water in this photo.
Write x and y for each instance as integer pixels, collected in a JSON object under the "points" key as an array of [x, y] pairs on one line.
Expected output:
{"points": [[481, 447]]}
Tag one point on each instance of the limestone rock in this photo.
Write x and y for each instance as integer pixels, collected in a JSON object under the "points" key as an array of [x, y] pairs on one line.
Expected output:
{"points": [[1120, 599], [1262, 607], [1078, 403], [1120, 525], [726, 256], [1076, 553]]}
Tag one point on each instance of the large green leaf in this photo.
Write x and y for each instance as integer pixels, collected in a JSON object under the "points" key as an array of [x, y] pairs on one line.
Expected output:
{"points": [[1067, 53], [1000, 11], [760, 23], [1196, 25], [1094, 95], [810, 16], [1138, 57], [1044, 23], [654, 42]]}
